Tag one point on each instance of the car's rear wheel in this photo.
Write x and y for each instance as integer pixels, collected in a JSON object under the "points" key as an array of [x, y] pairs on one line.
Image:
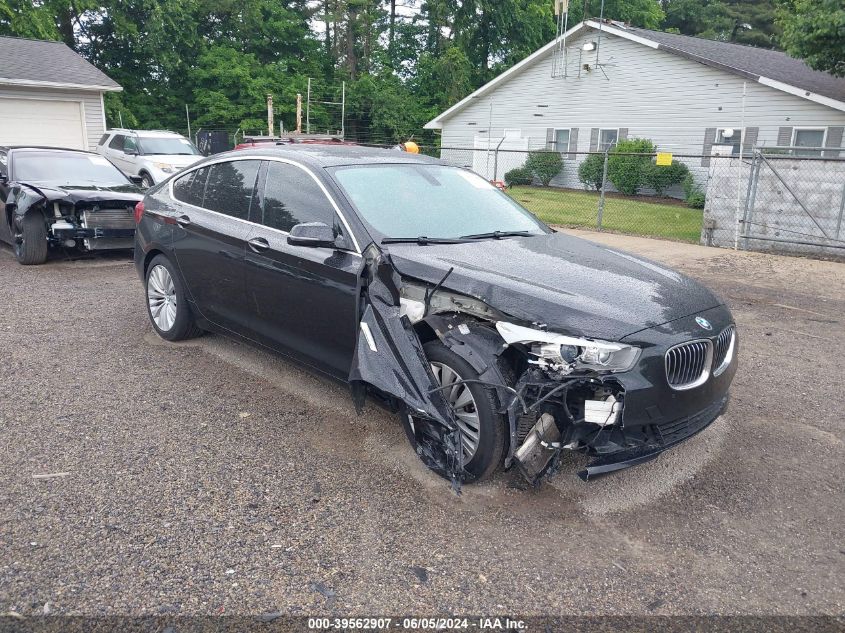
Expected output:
{"points": [[483, 430], [30, 239], [167, 305]]}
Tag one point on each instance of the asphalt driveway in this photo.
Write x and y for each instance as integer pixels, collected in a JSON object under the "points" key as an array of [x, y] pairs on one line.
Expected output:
{"points": [[142, 477]]}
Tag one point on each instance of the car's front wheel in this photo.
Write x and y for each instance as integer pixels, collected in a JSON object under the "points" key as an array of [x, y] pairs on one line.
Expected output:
{"points": [[167, 305], [483, 430], [30, 239], [146, 181]]}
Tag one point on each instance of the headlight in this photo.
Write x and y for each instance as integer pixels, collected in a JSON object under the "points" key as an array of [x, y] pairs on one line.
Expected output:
{"points": [[167, 168], [569, 352]]}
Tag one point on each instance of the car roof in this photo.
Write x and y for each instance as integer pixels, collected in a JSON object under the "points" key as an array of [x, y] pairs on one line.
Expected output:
{"points": [[44, 147], [328, 155], [144, 133]]}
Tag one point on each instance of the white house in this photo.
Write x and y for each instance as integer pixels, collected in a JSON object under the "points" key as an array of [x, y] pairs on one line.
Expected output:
{"points": [[603, 82], [49, 95]]}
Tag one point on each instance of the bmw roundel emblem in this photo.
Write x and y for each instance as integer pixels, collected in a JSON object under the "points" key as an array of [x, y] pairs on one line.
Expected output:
{"points": [[704, 323]]}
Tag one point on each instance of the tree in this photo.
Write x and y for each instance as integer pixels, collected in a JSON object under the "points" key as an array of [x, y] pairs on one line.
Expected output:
{"points": [[740, 21], [814, 30]]}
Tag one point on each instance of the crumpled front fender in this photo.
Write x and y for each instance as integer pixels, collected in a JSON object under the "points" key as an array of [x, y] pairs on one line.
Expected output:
{"points": [[389, 357]]}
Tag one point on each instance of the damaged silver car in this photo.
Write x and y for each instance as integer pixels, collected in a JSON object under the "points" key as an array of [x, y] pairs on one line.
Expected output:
{"points": [[499, 342]]}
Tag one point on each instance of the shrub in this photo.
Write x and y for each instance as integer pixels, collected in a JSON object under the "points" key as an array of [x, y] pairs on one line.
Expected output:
{"points": [[519, 176], [544, 165], [693, 195], [590, 171], [660, 178], [628, 173]]}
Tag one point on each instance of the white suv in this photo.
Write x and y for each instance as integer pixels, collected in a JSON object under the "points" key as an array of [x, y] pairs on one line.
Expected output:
{"points": [[151, 154]]}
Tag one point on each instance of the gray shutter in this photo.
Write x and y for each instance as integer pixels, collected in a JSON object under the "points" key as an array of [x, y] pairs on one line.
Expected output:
{"points": [[550, 138], [594, 139], [623, 134], [834, 139], [709, 139], [750, 140], [573, 143], [784, 136]]}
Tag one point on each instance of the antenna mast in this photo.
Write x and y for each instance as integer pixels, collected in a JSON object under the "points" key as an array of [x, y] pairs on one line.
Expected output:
{"points": [[562, 16]]}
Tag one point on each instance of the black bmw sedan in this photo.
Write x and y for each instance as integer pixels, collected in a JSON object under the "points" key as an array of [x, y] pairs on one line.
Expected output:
{"points": [[499, 342]]}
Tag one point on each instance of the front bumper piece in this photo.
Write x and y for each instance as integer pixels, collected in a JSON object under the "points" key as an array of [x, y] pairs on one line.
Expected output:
{"points": [[667, 435]]}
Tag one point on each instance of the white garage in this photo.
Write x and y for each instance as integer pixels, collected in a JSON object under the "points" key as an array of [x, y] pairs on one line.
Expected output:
{"points": [[49, 95]]}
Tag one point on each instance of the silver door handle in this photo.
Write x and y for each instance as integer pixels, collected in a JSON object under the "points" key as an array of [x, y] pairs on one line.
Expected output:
{"points": [[258, 244]]}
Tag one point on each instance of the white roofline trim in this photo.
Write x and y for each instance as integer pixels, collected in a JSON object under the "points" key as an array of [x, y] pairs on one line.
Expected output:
{"points": [[29, 83], [437, 122], [621, 33], [801, 92]]}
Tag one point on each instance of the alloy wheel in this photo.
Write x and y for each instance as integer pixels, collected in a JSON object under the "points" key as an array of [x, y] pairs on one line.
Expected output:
{"points": [[460, 399], [161, 296]]}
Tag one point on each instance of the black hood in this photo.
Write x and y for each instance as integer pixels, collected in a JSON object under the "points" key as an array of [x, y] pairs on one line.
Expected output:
{"points": [[87, 192], [572, 285]]}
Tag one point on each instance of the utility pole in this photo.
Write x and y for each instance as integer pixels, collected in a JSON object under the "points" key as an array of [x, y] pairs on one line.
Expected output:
{"points": [[298, 113], [308, 109], [270, 125], [343, 113]]}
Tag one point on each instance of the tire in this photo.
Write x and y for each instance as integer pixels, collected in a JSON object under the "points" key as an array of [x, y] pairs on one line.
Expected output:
{"points": [[489, 452], [167, 306], [146, 180], [31, 243]]}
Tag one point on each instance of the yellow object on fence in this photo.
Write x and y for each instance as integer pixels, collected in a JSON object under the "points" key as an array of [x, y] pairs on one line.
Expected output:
{"points": [[664, 159]]}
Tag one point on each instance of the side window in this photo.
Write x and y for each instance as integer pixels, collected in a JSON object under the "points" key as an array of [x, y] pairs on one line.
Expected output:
{"points": [[291, 197], [608, 139], [117, 141], [190, 187], [104, 138], [130, 144], [231, 187], [730, 136]]}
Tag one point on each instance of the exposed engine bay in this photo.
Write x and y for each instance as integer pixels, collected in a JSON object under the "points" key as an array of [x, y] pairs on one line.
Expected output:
{"points": [[556, 393], [81, 220]]}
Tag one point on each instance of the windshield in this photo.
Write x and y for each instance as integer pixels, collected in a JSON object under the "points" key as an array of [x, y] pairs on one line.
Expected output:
{"points": [[166, 145], [435, 201], [66, 168]]}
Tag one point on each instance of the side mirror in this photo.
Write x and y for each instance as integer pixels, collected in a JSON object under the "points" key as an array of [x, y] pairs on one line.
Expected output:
{"points": [[137, 180], [314, 234], [130, 152]]}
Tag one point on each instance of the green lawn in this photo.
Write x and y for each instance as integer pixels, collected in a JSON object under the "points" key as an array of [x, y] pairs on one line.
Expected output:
{"points": [[625, 215]]}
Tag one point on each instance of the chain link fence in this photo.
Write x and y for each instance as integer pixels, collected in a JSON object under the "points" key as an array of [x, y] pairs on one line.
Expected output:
{"points": [[778, 199]]}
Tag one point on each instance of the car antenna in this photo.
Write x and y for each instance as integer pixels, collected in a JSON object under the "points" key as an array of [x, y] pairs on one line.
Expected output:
{"points": [[429, 295]]}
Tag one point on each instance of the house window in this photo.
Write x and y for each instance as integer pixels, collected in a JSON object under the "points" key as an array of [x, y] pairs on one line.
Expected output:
{"points": [[730, 136], [562, 140], [808, 138], [608, 138]]}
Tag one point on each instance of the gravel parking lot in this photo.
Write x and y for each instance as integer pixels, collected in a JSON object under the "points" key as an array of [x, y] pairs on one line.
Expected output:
{"points": [[209, 478]]}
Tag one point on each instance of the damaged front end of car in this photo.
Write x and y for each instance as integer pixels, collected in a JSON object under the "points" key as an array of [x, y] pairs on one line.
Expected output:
{"points": [[556, 392], [85, 218]]}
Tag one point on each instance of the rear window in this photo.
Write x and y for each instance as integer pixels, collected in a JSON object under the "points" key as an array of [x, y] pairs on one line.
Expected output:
{"points": [[190, 187], [117, 142], [104, 138], [231, 187]]}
